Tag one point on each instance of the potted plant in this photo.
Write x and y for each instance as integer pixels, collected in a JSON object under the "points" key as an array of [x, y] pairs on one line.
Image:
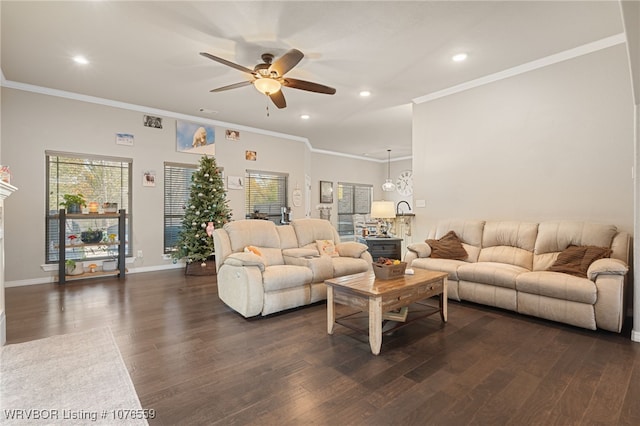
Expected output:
{"points": [[73, 203], [73, 268]]}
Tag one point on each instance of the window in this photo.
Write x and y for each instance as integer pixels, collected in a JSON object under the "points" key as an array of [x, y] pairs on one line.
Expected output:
{"points": [[99, 179], [177, 188], [266, 195], [353, 199]]}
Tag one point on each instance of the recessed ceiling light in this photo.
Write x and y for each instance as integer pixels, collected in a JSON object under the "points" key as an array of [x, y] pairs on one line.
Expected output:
{"points": [[459, 57], [365, 93], [80, 60], [305, 116]]}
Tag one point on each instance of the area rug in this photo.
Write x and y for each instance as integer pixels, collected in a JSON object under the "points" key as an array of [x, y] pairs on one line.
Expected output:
{"points": [[77, 378]]}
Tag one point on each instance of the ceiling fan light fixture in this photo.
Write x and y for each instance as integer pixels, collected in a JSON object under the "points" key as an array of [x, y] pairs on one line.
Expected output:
{"points": [[267, 85]]}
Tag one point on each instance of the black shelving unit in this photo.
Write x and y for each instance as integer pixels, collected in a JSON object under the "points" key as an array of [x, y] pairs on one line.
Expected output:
{"points": [[62, 245]]}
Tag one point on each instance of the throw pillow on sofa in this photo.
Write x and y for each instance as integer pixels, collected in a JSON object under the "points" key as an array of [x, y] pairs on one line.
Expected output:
{"points": [[575, 260], [448, 247], [327, 247]]}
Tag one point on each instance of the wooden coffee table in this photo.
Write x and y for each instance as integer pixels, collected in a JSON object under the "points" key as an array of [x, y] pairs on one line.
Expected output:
{"points": [[367, 293]]}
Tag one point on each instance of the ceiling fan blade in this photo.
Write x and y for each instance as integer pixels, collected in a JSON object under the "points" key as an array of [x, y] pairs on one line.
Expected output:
{"points": [[227, 63], [231, 86], [278, 99], [308, 86], [287, 61]]}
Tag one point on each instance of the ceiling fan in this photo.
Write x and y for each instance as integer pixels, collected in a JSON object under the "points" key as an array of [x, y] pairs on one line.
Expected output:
{"points": [[268, 77]]}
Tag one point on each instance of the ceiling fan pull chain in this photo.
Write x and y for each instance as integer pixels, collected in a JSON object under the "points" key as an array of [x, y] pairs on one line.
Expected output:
{"points": [[267, 105]]}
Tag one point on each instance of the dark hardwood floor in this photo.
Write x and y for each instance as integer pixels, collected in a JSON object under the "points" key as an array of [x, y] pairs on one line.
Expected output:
{"points": [[195, 361]]}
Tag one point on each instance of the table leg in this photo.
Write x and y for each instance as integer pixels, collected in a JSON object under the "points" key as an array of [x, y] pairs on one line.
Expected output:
{"points": [[443, 300], [375, 324], [331, 311]]}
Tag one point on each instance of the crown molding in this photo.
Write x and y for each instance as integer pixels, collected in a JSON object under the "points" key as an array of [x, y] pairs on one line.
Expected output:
{"points": [[585, 49]]}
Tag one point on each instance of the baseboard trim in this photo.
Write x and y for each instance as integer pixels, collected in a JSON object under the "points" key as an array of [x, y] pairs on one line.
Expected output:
{"points": [[635, 336], [3, 328], [130, 270]]}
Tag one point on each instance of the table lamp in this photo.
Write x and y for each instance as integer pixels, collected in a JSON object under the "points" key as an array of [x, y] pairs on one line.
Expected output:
{"points": [[382, 210]]}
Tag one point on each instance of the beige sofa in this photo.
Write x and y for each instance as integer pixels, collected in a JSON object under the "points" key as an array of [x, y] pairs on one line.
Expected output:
{"points": [[507, 267], [288, 270]]}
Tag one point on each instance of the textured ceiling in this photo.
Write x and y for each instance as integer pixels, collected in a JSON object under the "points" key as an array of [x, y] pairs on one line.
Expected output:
{"points": [[146, 53]]}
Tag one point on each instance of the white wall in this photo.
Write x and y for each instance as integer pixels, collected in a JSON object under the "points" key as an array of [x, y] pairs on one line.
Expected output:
{"points": [[33, 123], [554, 143]]}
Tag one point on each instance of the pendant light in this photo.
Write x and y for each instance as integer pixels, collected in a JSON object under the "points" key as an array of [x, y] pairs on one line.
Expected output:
{"points": [[388, 185]]}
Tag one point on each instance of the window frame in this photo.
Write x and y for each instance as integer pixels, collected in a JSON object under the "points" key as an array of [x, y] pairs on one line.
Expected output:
{"points": [[347, 231], [283, 194], [52, 215], [167, 249]]}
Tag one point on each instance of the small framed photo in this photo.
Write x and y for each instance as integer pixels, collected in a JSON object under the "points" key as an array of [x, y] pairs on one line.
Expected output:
{"points": [[124, 139], [149, 178], [250, 155], [235, 182], [232, 135], [326, 192], [151, 121]]}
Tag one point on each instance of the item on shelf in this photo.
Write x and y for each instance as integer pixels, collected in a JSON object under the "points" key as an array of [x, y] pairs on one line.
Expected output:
{"points": [[73, 268], [5, 174], [91, 236], [109, 265], [93, 207], [73, 203], [110, 207], [92, 267]]}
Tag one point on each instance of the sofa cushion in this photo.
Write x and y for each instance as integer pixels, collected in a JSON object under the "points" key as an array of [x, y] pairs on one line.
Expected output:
{"points": [[309, 230], [469, 232], [273, 256], [288, 237], [555, 236], [492, 273], [449, 266], [448, 246], [279, 277], [557, 285], [509, 242], [575, 260], [348, 265]]}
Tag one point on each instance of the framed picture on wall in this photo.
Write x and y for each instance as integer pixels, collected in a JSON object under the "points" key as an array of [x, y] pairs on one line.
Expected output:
{"points": [[326, 191]]}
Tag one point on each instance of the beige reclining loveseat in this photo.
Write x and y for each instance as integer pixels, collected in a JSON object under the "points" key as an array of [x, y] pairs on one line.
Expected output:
{"points": [[263, 268], [507, 266]]}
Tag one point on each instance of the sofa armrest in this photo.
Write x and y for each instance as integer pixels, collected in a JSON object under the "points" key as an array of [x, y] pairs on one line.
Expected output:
{"points": [[606, 267], [420, 249], [245, 259], [351, 249]]}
